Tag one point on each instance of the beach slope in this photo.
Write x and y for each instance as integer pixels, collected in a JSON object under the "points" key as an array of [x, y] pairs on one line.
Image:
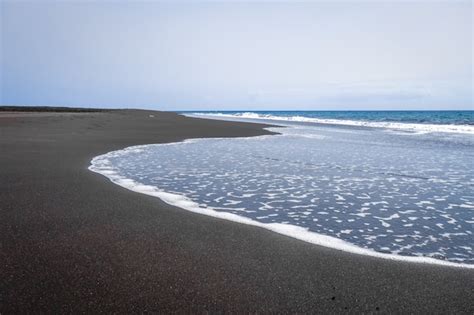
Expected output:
{"points": [[72, 241]]}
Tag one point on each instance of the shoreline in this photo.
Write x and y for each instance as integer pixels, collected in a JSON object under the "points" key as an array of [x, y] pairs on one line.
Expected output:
{"points": [[73, 242], [293, 231]]}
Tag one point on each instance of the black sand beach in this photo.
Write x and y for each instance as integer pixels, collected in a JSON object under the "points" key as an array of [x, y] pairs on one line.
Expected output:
{"points": [[71, 241]]}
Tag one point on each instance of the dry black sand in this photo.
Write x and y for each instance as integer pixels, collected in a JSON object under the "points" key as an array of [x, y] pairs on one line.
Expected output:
{"points": [[71, 241]]}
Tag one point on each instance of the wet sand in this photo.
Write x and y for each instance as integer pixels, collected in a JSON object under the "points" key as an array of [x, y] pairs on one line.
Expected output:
{"points": [[71, 241]]}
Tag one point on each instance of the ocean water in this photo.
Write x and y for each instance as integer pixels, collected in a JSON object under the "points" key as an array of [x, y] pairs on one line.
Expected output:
{"points": [[360, 182], [419, 121], [457, 117]]}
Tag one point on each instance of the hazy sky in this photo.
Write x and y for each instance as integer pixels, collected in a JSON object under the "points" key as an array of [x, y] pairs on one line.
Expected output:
{"points": [[236, 55]]}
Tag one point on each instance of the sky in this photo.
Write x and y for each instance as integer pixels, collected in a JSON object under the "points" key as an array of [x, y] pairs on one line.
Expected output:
{"points": [[191, 55]]}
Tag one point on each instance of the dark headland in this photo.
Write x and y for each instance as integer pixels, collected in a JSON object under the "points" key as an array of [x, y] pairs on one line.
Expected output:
{"points": [[71, 241]]}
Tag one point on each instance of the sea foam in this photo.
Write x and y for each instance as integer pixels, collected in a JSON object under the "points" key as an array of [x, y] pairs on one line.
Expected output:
{"points": [[102, 165]]}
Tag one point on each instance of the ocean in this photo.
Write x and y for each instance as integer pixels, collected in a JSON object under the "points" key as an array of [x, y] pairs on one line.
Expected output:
{"points": [[396, 185], [421, 121]]}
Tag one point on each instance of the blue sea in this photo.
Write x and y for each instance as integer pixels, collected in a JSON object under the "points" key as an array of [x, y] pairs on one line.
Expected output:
{"points": [[393, 184], [421, 121], [445, 117]]}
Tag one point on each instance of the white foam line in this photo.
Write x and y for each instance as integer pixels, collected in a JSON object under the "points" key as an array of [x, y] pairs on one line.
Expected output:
{"points": [[420, 128], [100, 164]]}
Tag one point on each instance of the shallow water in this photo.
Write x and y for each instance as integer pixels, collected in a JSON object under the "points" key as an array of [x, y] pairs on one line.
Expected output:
{"points": [[394, 192]]}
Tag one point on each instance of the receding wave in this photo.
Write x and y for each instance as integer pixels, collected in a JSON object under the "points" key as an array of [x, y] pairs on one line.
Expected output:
{"points": [[410, 200], [403, 126], [101, 165]]}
